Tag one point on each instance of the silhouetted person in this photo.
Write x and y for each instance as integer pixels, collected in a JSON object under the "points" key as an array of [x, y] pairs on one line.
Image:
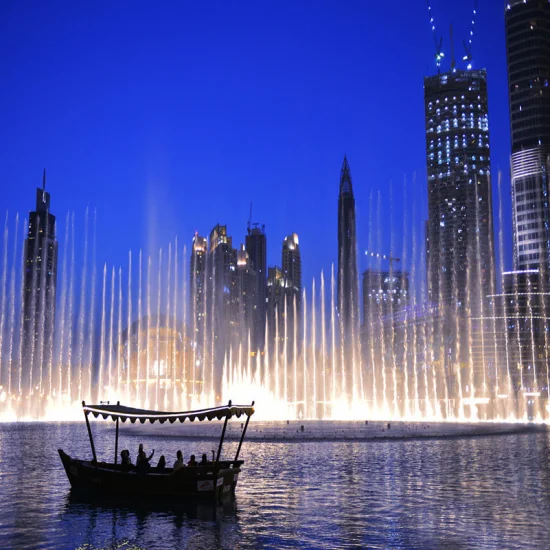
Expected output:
{"points": [[192, 462], [179, 462], [204, 460], [125, 459], [161, 466], [142, 461]]}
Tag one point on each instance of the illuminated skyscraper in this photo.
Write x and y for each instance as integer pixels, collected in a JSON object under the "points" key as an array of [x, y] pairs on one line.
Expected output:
{"points": [[197, 286], [40, 281], [292, 264], [256, 247], [460, 228], [221, 262], [242, 298], [291, 291], [528, 56], [348, 282], [459, 236]]}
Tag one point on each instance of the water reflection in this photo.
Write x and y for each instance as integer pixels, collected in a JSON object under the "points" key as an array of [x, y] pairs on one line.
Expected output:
{"points": [[152, 523], [471, 492]]}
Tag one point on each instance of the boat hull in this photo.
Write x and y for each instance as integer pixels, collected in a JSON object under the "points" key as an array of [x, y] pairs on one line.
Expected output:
{"points": [[192, 482]]}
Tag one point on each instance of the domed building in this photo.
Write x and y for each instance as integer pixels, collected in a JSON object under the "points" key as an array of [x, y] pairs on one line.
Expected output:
{"points": [[158, 358]]}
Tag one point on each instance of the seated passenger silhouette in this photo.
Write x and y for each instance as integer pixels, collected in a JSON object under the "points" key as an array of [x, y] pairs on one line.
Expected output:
{"points": [[161, 466], [179, 462], [192, 462], [125, 460]]}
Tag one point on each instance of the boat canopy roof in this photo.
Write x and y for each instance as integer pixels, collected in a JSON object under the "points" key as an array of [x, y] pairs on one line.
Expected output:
{"points": [[123, 413]]}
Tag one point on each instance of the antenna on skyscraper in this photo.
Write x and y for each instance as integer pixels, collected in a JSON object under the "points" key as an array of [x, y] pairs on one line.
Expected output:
{"points": [[249, 219], [453, 61]]}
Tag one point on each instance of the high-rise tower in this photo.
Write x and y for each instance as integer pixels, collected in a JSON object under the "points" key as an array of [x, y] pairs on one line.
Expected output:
{"points": [[40, 281], [528, 57], [197, 286], [460, 228], [459, 236], [291, 306], [256, 247], [292, 264], [348, 282]]}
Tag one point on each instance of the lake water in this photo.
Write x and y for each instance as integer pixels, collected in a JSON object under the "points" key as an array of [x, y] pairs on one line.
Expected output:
{"points": [[491, 492]]}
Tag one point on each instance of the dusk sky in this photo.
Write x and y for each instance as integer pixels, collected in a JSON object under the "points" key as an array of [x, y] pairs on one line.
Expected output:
{"points": [[168, 118]]}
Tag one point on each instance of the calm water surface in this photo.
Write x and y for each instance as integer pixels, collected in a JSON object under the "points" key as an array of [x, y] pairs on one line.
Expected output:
{"points": [[489, 492]]}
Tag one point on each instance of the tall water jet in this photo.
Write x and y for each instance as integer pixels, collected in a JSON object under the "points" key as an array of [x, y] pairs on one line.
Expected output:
{"points": [[129, 326], [323, 345], [3, 299], [11, 358]]}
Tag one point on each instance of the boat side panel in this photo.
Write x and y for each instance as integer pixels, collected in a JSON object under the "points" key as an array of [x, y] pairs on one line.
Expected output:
{"points": [[189, 482]]}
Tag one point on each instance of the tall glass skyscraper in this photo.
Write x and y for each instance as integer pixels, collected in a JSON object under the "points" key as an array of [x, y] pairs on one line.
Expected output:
{"points": [[460, 255], [40, 283], [256, 246], [197, 286], [292, 265], [348, 282], [459, 229], [528, 56]]}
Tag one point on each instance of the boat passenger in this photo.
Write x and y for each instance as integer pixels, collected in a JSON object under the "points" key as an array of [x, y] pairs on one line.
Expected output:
{"points": [[192, 462], [142, 461], [125, 459], [161, 466], [142, 456], [204, 460], [179, 462]]}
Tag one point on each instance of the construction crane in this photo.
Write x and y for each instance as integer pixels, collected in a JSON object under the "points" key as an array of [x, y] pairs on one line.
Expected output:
{"points": [[388, 257], [250, 226]]}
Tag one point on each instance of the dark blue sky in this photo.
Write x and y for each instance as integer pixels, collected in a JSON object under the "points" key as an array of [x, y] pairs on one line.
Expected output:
{"points": [[170, 117]]}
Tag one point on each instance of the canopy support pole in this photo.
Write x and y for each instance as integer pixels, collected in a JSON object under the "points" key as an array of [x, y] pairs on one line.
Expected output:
{"points": [[242, 435], [116, 439], [90, 433], [223, 435]]}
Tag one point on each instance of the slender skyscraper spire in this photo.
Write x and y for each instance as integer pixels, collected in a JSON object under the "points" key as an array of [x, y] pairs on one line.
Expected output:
{"points": [[347, 254]]}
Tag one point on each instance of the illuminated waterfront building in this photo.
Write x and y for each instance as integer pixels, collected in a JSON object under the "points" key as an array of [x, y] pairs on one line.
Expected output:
{"points": [[275, 301], [525, 305], [528, 57], [384, 292], [157, 361], [460, 231], [197, 286], [460, 255], [39, 297], [242, 298], [292, 265], [292, 277]]}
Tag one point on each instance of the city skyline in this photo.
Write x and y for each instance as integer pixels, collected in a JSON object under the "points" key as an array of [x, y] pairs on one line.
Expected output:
{"points": [[284, 187]]}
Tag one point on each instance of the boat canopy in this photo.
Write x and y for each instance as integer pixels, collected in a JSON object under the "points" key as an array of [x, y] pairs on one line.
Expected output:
{"points": [[123, 413]]}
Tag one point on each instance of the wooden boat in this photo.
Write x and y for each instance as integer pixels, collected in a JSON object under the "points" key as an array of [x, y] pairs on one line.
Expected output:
{"points": [[214, 479]]}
